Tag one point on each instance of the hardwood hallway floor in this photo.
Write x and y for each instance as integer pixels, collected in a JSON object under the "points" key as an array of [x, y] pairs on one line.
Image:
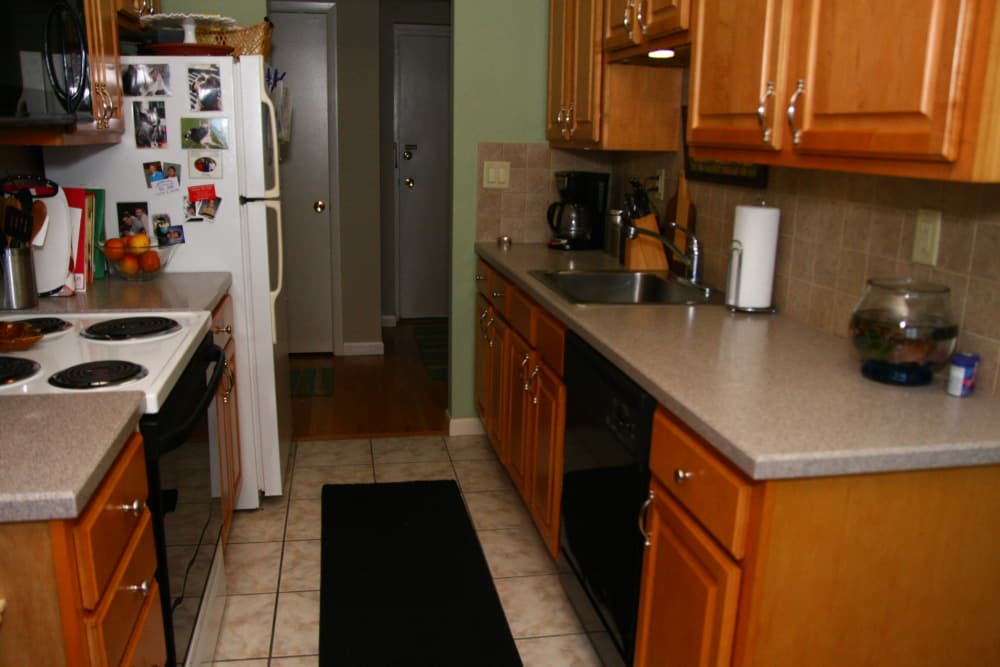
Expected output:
{"points": [[375, 396]]}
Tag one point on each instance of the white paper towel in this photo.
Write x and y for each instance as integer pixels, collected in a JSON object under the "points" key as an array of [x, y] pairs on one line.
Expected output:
{"points": [[751, 259]]}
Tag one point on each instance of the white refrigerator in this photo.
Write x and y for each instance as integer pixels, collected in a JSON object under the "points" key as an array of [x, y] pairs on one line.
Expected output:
{"points": [[236, 229]]}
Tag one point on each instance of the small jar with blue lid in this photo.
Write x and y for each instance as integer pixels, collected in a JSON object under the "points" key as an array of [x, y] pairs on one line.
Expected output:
{"points": [[962, 374]]}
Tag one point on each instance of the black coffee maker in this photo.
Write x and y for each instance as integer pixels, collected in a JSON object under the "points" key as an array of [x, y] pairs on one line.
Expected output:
{"points": [[577, 219]]}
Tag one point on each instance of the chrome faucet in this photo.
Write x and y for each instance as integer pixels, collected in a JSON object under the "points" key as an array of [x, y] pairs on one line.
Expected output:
{"points": [[690, 259]]}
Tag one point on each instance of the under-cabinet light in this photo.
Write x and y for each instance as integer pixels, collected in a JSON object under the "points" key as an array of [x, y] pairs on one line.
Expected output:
{"points": [[661, 53]]}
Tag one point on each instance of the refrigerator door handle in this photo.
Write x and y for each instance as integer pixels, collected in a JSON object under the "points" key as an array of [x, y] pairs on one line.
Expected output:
{"points": [[273, 122], [276, 207]]}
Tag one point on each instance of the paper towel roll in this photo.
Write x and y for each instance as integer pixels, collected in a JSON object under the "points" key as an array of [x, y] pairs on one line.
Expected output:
{"points": [[751, 260]]}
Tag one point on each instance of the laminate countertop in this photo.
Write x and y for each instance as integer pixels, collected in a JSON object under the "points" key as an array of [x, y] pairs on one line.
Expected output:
{"points": [[777, 398], [56, 449]]}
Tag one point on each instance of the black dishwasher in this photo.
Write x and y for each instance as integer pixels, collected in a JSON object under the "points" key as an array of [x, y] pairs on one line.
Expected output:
{"points": [[605, 482]]}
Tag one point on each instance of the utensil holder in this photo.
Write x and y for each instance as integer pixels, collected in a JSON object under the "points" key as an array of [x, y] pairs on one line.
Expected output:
{"points": [[17, 279]]}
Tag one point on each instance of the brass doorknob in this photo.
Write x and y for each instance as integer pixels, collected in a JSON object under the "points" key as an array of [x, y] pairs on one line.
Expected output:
{"points": [[319, 205], [409, 182]]}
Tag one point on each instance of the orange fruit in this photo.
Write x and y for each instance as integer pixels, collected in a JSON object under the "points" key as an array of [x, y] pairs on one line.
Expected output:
{"points": [[129, 265], [138, 243], [114, 249], [150, 262]]}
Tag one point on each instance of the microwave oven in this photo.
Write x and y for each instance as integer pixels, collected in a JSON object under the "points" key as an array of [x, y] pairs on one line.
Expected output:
{"points": [[44, 78]]}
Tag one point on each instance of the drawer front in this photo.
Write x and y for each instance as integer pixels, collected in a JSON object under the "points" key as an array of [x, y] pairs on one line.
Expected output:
{"points": [[523, 315], [148, 646], [717, 496], [222, 322], [483, 272], [550, 340], [111, 626], [109, 520], [500, 292]]}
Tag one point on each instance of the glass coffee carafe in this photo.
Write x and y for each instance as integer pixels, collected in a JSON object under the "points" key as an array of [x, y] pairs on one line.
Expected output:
{"points": [[903, 330]]}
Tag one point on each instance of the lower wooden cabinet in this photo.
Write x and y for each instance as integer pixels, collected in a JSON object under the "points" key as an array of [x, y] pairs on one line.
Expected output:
{"points": [[82, 591], [517, 368], [547, 425], [227, 418]]}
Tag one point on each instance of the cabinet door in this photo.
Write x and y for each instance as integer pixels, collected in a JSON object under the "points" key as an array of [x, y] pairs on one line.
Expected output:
{"points": [[880, 79], [519, 360], [480, 391], [690, 589], [231, 401], [584, 107], [620, 30], [102, 45], [737, 74], [632, 22], [496, 406], [548, 425], [560, 61], [664, 17]]}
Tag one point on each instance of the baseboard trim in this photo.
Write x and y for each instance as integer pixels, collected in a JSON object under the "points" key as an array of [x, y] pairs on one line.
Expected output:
{"points": [[466, 426], [362, 349], [389, 320]]}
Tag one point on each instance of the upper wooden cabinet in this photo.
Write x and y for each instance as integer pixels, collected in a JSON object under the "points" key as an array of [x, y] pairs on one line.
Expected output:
{"points": [[901, 87], [595, 104], [101, 23], [630, 23]]}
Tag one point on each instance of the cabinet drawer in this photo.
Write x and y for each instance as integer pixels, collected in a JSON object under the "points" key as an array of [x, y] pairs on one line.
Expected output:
{"points": [[109, 520], [500, 292], [550, 340], [222, 322], [148, 646], [523, 314], [483, 271], [717, 495], [110, 627]]}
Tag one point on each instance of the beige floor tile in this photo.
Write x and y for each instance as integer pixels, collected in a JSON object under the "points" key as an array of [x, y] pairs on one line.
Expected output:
{"points": [[252, 567], [304, 516], [469, 448], [332, 452], [296, 625], [409, 450], [300, 661], [514, 552], [561, 651], [409, 472], [265, 524], [300, 566], [491, 510], [482, 476], [537, 607], [246, 627], [308, 482], [578, 598], [242, 663]]}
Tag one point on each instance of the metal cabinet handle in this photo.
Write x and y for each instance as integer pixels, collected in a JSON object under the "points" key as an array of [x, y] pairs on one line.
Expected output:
{"points": [[489, 324], [800, 88], [640, 17], [531, 383], [228, 329], [496, 294], [681, 475], [409, 182], [141, 587], [561, 118], [231, 378], [762, 113], [642, 519], [480, 277], [569, 121], [524, 365], [135, 507], [626, 19]]}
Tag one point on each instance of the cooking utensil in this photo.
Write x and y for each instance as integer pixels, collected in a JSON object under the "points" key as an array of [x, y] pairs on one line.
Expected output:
{"points": [[17, 226]]}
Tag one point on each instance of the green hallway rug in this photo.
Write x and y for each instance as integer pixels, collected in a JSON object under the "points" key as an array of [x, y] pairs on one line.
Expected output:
{"points": [[312, 382]]}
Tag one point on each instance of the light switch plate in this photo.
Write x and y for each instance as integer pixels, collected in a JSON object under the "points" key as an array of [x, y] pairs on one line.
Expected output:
{"points": [[927, 236], [496, 175]]}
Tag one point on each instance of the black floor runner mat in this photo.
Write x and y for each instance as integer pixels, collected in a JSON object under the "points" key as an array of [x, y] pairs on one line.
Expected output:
{"points": [[404, 581]]}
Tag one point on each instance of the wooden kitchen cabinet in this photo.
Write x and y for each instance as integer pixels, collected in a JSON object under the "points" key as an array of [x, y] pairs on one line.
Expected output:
{"points": [[227, 429], [594, 104], [517, 359], [83, 591], [876, 569], [101, 26], [547, 424], [645, 23], [821, 84]]}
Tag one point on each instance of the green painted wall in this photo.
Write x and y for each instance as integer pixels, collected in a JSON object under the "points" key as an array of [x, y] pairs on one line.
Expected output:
{"points": [[499, 83], [246, 12]]}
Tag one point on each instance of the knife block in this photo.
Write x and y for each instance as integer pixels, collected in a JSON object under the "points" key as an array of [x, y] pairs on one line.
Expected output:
{"points": [[644, 253]]}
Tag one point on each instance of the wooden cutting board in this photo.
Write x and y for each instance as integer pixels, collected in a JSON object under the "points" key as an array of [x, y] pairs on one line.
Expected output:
{"points": [[644, 253]]}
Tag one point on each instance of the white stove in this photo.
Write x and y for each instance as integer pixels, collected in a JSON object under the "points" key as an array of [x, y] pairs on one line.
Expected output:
{"points": [[163, 356]]}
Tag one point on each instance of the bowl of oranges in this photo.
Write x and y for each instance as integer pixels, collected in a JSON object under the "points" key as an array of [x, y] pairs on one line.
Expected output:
{"points": [[135, 258]]}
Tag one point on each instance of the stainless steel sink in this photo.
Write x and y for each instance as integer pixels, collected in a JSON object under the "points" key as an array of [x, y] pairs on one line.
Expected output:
{"points": [[627, 287]]}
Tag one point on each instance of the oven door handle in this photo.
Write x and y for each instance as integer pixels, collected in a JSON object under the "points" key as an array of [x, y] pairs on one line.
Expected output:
{"points": [[180, 433]]}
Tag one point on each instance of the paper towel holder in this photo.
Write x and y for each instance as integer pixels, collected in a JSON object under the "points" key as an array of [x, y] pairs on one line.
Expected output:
{"points": [[733, 290]]}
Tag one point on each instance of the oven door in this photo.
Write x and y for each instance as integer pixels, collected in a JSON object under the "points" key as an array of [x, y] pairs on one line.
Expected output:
{"points": [[186, 518]]}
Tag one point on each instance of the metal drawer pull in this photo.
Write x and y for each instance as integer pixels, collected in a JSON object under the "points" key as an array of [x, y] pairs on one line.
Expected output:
{"points": [[228, 329], [642, 519], [497, 295], [640, 17], [480, 277], [135, 507], [626, 21], [680, 475], [762, 113], [142, 587], [800, 87]]}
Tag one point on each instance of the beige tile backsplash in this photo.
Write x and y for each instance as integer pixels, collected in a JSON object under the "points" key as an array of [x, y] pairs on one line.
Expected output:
{"points": [[837, 230]]}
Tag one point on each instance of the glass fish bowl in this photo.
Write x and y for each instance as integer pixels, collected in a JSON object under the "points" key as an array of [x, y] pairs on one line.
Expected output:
{"points": [[903, 330]]}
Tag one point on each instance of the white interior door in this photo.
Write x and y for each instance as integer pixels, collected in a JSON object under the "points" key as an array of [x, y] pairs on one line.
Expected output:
{"points": [[300, 49], [423, 169]]}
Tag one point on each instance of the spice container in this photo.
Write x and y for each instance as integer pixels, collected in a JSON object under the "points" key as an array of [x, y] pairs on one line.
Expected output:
{"points": [[962, 374]]}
